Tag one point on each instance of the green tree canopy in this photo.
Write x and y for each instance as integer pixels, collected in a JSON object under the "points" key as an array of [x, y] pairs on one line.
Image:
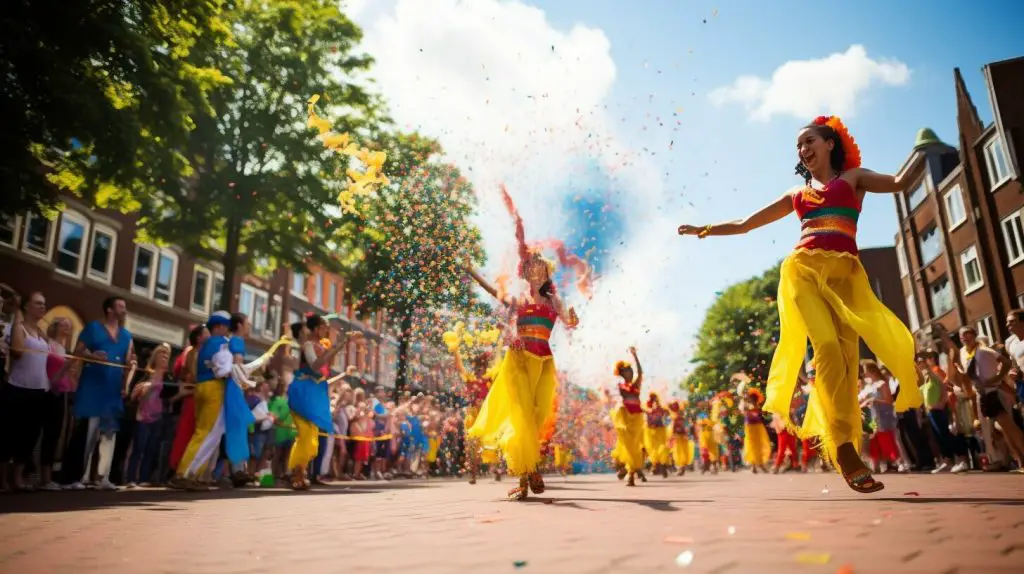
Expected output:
{"points": [[416, 240], [264, 187], [739, 334], [100, 95]]}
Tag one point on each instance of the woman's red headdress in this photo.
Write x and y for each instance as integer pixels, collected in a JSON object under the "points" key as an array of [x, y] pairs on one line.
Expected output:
{"points": [[845, 139]]}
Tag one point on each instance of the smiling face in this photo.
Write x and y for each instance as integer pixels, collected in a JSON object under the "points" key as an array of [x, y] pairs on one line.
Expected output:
{"points": [[537, 272], [814, 151]]}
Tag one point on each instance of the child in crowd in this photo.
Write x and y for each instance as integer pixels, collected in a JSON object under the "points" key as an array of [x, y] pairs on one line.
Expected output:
{"points": [[284, 431]]}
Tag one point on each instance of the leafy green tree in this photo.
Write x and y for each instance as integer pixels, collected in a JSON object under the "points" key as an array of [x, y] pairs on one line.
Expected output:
{"points": [[265, 188], [739, 334], [416, 240], [100, 96]]}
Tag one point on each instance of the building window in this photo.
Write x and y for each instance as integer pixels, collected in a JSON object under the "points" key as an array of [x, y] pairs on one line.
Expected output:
{"points": [[217, 295], [101, 253], [995, 161], [298, 285], [332, 297], [901, 259], [916, 197], [145, 259], [202, 281], [972, 270], [253, 302], [915, 323], [941, 296], [38, 236], [273, 329], [74, 229], [1013, 237], [318, 291], [986, 328], [9, 226], [956, 213], [166, 271], [1020, 301], [931, 245], [294, 317], [155, 273]]}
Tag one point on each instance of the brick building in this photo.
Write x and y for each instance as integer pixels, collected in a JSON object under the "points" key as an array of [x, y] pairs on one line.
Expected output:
{"points": [[86, 255], [961, 238], [882, 267]]}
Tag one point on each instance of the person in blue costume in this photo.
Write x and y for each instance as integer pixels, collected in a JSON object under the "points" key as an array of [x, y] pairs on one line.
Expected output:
{"points": [[107, 350], [309, 396]]}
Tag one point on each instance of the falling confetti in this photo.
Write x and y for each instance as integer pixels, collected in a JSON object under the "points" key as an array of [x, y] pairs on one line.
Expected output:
{"points": [[684, 559], [818, 558]]}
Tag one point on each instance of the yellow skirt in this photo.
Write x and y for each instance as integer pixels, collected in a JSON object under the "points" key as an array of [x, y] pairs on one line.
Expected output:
{"points": [[682, 450], [489, 456], [629, 444], [521, 400], [706, 441], [656, 443], [757, 448], [563, 457], [826, 297], [433, 445]]}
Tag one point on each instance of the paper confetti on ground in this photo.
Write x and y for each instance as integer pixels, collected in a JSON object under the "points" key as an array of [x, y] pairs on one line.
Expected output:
{"points": [[798, 536], [813, 558], [684, 559], [845, 569]]}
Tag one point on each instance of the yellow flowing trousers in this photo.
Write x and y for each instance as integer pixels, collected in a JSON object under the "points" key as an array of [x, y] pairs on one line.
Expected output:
{"points": [[656, 443], [204, 445], [629, 444], [306, 444], [682, 450], [826, 297], [519, 405], [757, 447]]}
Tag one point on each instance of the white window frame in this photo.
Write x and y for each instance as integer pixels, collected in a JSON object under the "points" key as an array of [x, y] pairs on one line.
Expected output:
{"points": [[1020, 300], [963, 207], [920, 246], [257, 327], [912, 316], [16, 233], [966, 256], [149, 291], [987, 328], [1017, 238], [901, 258], [332, 296], [922, 185], [217, 276], [931, 298], [991, 164], [108, 273], [73, 217], [208, 292], [318, 290], [51, 231], [274, 310], [301, 294]]}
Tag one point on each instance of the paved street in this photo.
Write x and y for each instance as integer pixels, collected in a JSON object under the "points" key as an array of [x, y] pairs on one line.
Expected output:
{"points": [[731, 523]]}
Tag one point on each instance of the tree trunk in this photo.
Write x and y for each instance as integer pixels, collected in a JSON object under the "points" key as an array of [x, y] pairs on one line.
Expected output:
{"points": [[230, 262], [402, 375]]}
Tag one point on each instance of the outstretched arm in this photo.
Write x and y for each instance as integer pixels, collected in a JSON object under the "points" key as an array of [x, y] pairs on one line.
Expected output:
{"points": [[867, 180], [485, 284], [639, 369], [770, 213]]}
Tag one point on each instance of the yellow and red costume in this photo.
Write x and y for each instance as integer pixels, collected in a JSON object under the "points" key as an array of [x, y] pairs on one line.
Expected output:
{"points": [[655, 433], [825, 296], [628, 419], [521, 399], [757, 447], [682, 448]]}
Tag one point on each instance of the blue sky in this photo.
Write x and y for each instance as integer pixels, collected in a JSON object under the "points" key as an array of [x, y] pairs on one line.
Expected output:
{"points": [[599, 117]]}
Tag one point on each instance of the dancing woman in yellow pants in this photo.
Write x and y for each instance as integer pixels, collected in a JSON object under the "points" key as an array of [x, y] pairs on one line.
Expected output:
{"points": [[682, 448], [522, 397], [656, 437], [628, 419], [825, 296], [757, 448]]}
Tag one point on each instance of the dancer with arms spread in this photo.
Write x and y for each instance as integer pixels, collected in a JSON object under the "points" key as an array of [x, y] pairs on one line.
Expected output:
{"points": [[522, 396], [824, 295]]}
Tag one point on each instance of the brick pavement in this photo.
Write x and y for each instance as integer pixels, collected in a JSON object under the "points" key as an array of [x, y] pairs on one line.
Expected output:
{"points": [[732, 523]]}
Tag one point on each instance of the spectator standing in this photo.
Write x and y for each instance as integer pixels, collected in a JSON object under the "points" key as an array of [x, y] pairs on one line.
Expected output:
{"points": [[63, 374]]}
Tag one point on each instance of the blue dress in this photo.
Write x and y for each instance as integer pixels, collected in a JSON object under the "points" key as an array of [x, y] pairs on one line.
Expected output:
{"points": [[237, 415], [99, 387], [310, 398]]}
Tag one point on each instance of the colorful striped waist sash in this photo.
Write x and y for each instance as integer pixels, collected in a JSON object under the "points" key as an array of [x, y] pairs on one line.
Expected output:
{"points": [[830, 221]]}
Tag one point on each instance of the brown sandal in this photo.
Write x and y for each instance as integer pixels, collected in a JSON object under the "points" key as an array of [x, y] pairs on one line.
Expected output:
{"points": [[298, 481], [520, 492], [863, 482]]}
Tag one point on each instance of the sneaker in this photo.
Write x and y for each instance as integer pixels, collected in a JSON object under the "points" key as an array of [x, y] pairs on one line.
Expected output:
{"points": [[105, 484], [903, 468], [959, 467], [941, 468], [50, 487], [74, 486], [130, 485]]}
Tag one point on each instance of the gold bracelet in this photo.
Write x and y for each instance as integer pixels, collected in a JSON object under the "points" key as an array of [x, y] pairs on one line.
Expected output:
{"points": [[704, 232]]}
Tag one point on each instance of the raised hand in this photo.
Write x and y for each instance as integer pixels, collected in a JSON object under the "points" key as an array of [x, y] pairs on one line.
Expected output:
{"points": [[686, 229]]}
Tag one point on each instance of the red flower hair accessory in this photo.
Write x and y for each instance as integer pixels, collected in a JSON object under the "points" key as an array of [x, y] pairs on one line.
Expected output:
{"points": [[845, 139], [620, 365], [674, 406], [756, 395]]}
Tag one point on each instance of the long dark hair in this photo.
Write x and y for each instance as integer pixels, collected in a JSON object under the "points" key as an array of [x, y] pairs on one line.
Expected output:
{"points": [[836, 159]]}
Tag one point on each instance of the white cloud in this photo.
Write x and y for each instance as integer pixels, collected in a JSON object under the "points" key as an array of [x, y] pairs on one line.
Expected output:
{"points": [[514, 99], [807, 88]]}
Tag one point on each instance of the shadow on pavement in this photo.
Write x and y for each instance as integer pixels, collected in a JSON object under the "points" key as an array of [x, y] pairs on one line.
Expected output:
{"points": [[659, 505], [151, 499], [918, 500]]}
